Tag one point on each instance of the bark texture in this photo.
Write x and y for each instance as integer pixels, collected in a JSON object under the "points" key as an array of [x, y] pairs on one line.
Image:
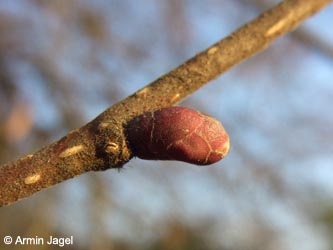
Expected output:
{"points": [[101, 144]]}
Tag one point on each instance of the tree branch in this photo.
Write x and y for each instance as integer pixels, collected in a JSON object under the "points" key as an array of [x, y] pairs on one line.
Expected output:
{"points": [[102, 144]]}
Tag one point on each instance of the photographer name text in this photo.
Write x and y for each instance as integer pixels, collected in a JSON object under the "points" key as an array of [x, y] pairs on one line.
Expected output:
{"points": [[55, 241]]}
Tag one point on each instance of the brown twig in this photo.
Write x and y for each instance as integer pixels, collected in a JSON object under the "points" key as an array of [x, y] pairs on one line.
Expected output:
{"points": [[303, 35], [101, 144]]}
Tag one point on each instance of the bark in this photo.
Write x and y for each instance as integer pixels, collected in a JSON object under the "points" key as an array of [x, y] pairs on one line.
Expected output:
{"points": [[101, 144]]}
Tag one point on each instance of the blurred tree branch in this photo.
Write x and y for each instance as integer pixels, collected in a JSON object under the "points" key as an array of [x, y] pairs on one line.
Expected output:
{"points": [[101, 144]]}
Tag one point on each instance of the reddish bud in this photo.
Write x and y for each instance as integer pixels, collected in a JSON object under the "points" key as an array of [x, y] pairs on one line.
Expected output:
{"points": [[178, 133]]}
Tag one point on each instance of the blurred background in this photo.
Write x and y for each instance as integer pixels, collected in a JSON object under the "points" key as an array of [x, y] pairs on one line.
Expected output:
{"points": [[64, 62]]}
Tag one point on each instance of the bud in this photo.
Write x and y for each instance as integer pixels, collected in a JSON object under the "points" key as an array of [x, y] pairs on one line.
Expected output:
{"points": [[177, 133]]}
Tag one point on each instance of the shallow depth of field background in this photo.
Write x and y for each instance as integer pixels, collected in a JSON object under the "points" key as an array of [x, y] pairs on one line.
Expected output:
{"points": [[64, 62]]}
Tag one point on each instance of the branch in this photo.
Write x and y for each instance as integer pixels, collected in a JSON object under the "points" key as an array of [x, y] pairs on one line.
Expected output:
{"points": [[102, 143]]}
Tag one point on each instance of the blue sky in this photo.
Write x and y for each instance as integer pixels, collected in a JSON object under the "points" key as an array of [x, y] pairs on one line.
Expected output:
{"points": [[276, 107]]}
